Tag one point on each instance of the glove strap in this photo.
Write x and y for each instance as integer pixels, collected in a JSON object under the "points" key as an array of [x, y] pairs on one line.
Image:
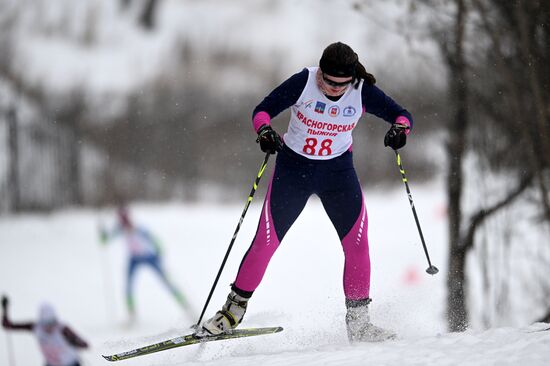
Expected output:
{"points": [[400, 126], [265, 129]]}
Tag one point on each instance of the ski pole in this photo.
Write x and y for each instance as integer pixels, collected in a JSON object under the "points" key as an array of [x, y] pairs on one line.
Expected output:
{"points": [[107, 278], [431, 269], [248, 201], [11, 354], [9, 345]]}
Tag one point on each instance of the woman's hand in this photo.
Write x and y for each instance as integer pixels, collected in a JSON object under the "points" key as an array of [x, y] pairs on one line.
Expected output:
{"points": [[396, 137], [270, 141]]}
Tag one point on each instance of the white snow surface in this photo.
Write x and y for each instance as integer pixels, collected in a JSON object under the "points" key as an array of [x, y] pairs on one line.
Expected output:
{"points": [[57, 258]]}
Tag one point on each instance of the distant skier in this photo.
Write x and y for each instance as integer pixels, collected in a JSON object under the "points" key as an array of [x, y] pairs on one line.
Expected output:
{"points": [[143, 250], [58, 342], [326, 103]]}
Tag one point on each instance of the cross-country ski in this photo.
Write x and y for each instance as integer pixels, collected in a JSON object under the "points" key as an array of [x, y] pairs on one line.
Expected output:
{"points": [[189, 340]]}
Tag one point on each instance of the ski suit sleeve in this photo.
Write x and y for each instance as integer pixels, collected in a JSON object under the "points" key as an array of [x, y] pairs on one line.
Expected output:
{"points": [[376, 102], [106, 235], [281, 98], [7, 324], [103, 234], [73, 338]]}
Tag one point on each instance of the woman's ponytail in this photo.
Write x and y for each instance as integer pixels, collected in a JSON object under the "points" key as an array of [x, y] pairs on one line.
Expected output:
{"points": [[361, 73]]}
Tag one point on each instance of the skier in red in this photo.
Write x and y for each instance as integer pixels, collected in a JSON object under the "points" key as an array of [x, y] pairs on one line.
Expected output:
{"points": [[58, 342]]}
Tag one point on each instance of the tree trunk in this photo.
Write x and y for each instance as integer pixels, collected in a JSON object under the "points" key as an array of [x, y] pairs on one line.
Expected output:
{"points": [[147, 19], [535, 82], [457, 313], [124, 4], [456, 306], [75, 143], [13, 180]]}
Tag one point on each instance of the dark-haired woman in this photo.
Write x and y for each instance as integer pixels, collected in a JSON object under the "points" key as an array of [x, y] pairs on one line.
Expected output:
{"points": [[315, 157]]}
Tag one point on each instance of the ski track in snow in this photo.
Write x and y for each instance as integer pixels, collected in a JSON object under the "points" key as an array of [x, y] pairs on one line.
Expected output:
{"points": [[57, 257]]}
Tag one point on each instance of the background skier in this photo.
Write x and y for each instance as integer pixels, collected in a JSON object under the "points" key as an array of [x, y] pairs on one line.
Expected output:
{"points": [[144, 250], [59, 343]]}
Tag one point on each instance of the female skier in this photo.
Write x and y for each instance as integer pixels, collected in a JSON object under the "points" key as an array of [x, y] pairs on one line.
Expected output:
{"points": [[315, 157], [59, 344], [144, 250]]}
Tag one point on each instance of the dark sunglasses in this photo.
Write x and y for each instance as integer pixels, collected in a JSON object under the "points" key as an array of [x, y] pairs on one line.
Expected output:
{"points": [[336, 84]]}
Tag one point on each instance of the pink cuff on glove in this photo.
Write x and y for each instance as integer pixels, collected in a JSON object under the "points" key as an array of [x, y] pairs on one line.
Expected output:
{"points": [[402, 120], [260, 119]]}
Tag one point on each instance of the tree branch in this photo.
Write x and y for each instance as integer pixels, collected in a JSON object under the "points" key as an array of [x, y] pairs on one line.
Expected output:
{"points": [[484, 213]]}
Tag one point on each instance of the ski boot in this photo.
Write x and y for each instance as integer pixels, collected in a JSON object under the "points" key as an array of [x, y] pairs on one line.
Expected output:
{"points": [[359, 326], [228, 317]]}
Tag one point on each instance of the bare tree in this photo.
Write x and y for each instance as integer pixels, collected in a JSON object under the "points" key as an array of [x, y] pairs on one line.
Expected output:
{"points": [[147, 17], [518, 35], [519, 119], [453, 51], [13, 180], [147, 12], [468, 74]]}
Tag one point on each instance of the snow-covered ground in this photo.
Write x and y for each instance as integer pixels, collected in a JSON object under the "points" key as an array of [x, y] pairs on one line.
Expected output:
{"points": [[57, 258]]}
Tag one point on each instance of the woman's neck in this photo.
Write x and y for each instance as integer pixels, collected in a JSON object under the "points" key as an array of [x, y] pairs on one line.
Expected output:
{"points": [[334, 98]]}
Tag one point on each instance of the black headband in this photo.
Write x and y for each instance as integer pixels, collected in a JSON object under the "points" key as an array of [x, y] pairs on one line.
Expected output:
{"points": [[337, 69]]}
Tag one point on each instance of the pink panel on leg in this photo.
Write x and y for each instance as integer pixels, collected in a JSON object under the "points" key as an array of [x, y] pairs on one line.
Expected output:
{"points": [[357, 259]]}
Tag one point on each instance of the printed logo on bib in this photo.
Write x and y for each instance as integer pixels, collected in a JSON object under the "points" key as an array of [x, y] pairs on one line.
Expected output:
{"points": [[349, 111], [334, 111], [320, 128], [320, 107]]}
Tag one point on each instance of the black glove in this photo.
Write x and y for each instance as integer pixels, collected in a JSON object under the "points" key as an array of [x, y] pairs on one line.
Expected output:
{"points": [[270, 141], [5, 302], [396, 137]]}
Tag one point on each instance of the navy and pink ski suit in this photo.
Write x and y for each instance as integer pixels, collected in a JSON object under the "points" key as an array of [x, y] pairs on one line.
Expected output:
{"points": [[298, 174]]}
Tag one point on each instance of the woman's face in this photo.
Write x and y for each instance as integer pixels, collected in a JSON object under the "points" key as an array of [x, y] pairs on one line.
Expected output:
{"points": [[334, 86]]}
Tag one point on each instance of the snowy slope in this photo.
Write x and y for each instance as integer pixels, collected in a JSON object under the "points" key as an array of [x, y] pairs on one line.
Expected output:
{"points": [[57, 258]]}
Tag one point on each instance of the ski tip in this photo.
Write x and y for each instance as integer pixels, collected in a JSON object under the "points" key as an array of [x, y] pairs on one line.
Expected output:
{"points": [[113, 358]]}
